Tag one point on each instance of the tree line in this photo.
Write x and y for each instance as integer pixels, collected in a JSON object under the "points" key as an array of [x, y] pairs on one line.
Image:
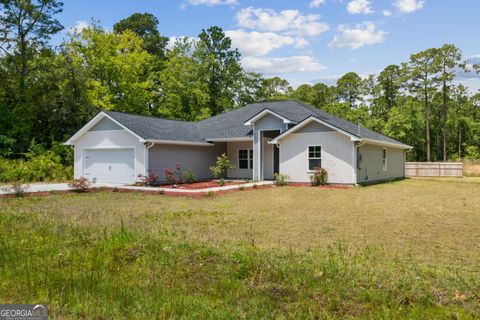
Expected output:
{"points": [[47, 93]]}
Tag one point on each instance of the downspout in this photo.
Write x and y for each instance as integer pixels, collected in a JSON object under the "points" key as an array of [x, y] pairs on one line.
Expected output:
{"points": [[148, 145]]}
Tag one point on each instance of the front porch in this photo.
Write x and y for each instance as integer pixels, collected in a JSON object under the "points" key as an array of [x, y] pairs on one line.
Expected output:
{"points": [[254, 161]]}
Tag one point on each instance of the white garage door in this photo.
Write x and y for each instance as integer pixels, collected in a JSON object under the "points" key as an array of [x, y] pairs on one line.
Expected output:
{"points": [[110, 165]]}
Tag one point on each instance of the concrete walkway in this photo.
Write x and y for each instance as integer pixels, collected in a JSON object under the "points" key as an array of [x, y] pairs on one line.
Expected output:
{"points": [[47, 187]]}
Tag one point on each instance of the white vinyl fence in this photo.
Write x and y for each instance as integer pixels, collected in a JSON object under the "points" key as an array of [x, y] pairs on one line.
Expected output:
{"points": [[434, 169]]}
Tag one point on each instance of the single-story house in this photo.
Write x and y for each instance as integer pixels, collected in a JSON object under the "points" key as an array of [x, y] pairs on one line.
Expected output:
{"points": [[260, 139]]}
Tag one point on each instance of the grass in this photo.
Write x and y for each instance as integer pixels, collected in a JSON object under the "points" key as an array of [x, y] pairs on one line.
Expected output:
{"points": [[407, 249]]}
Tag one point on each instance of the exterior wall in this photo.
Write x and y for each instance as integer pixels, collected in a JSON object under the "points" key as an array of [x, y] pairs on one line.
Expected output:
{"points": [[268, 122], [232, 153], [372, 165], [105, 125], [196, 158], [108, 139], [337, 155]]}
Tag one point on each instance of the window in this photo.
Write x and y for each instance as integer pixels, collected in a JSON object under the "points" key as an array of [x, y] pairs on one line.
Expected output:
{"points": [[314, 157], [384, 159], [245, 159]]}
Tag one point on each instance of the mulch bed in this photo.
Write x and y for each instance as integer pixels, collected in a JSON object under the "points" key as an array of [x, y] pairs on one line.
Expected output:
{"points": [[200, 185]]}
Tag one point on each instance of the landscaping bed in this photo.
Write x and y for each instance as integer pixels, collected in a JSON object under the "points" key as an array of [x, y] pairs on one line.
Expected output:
{"points": [[201, 184]]}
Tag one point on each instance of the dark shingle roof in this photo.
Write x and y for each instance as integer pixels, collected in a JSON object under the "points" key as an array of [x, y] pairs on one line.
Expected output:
{"points": [[152, 128], [231, 124]]}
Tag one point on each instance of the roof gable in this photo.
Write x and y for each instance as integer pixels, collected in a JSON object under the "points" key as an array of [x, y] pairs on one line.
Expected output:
{"points": [[263, 113]]}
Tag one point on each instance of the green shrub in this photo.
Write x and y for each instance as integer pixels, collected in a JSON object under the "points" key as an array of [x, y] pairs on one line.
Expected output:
{"points": [[280, 179], [189, 176], [221, 182], [221, 166], [319, 177], [46, 166]]}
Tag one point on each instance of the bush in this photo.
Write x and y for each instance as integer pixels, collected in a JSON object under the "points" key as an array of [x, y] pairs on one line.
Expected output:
{"points": [[319, 177], [17, 188], [39, 165], [150, 179], [189, 177], [80, 185], [280, 179], [173, 176], [221, 182], [221, 166]]}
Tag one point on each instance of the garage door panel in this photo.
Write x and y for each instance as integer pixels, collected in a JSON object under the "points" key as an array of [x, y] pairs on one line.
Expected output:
{"points": [[110, 165]]}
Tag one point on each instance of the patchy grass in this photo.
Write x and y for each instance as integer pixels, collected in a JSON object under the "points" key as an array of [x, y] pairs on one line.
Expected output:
{"points": [[407, 249]]}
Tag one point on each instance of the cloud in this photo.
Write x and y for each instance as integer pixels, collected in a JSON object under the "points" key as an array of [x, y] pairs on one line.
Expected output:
{"points": [[212, 3], [260, 43], [316, 3], [359, 7], [286, 21], [409, 6], [387, 13], [358, 36], [470, 72], [78, 26], [282, 65]]}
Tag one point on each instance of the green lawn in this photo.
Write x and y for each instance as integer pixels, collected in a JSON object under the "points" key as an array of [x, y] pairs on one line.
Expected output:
{"points": [[408, 249]]}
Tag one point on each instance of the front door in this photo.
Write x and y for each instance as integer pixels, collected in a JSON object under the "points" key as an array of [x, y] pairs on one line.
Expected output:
{"points": [[276, 159]]}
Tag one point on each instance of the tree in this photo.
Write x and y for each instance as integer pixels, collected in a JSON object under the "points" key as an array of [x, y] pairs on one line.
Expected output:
{"points": [[220, 67], [26, 26], [116, 66], [145, 25], [423, 81], [183, 94], [390, 83], [349, 88], [275, 87], [323, 95], [449, 57]]}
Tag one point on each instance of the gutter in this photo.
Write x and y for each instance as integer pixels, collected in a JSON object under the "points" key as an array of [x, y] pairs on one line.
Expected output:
{"points": [[181, 143]]}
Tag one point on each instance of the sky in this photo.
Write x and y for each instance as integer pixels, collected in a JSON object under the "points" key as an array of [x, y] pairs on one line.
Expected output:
{"points": [[306, 41]]}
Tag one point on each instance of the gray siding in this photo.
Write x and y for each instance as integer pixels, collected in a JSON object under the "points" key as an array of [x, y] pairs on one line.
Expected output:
{"points": [[232, 152], [372, 165], [314, 127], [337, 156], [268, 122], [105, 124], [196, 158]]}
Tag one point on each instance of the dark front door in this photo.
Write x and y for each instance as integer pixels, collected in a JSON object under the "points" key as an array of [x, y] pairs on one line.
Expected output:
{"points": [[276, 159]]}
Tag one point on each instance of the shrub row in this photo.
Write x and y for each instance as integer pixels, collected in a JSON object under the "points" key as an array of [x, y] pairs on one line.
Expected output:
{"points": [[46, 166]]}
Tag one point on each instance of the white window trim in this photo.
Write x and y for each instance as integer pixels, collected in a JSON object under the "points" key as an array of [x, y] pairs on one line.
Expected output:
{"points": [[384, 159], [249, 159], [314, 158]]}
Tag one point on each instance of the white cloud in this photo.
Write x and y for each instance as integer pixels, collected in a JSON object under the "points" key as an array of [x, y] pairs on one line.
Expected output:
{"points": [[408, 6], [358, 36], [212, 3], [282, 65], [259, 43], [78, 26], [387, 13], [359, 7], [316, 3], [285, 21]]}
